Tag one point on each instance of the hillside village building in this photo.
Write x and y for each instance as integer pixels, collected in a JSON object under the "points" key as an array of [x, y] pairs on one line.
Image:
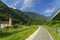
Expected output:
{"points": [[6, 23]]}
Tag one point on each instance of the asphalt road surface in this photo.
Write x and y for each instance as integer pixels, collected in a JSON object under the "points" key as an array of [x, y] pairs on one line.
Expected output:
{"points": [[42, 34]]}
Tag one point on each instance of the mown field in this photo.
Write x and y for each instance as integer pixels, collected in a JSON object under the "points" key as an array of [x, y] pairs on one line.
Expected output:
{"points": [[20, 33]]}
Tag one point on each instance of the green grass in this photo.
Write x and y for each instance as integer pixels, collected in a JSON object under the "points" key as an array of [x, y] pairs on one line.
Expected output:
{"points": [[20, 33], [53, 34]]}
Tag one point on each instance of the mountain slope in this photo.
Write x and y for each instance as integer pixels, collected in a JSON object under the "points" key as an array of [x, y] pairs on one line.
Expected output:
{"points": [[5, 12], [35, 17], [19, 16], [30, 17]]}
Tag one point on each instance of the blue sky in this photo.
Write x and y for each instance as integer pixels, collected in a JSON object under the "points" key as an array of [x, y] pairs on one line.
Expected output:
{"points": [[44, 7]]}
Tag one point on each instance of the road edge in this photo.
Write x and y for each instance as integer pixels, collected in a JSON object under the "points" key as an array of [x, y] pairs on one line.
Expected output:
{"points": [[31, 37]]}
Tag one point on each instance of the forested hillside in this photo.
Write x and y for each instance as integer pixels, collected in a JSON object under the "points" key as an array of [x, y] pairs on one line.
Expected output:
{"points": [[19, 16], [56, 19], [4, 11]]}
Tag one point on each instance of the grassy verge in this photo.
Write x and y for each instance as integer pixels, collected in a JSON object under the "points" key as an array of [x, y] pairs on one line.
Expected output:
{"points": [[19, 33], [54, 35]]}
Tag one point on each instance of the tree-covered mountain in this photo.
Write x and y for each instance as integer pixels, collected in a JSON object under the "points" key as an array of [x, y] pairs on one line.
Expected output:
{"points": [[4, 11], [57, 17], [31, 17], [20, 17], [35, 17]]}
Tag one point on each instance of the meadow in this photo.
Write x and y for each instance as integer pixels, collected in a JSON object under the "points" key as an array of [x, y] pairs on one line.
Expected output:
{"points": [[19, 33]]}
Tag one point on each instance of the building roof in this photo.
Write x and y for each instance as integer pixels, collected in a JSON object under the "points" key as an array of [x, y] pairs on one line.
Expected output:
{"points": [[5, 22]]}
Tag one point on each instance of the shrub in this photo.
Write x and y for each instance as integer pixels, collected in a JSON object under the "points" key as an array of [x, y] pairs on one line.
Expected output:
{"points": [[56, 25], [15, 26], [7, 27]]}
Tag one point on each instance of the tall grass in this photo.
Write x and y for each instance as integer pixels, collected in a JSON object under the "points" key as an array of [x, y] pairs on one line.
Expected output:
{"points": [[20, 33], [55, 35]]}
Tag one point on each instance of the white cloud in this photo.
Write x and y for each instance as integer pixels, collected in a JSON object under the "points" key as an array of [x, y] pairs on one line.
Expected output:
{"points": [[14, 4], [17, 2], [49, 10], [26, 3], [13, 7]]}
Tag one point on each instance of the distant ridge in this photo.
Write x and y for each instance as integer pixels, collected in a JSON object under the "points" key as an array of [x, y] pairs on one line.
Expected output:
{"points": [[19, 16]]}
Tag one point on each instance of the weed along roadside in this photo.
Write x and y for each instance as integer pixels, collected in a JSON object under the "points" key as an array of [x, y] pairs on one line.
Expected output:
{"points": [[54, 33], [17, 33]]}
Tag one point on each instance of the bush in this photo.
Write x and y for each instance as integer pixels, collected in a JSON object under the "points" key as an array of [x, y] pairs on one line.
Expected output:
{"points": [[57, 25], [8, 27], [15, 26]]}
